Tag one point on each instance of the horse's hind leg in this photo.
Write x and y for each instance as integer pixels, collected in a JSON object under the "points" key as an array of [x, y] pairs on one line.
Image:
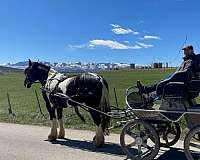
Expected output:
{"points": [[61, 134], [98, 139]]}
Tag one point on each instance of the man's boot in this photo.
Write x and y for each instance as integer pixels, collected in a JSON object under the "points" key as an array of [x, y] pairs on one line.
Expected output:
{"points": [[140, 87]]}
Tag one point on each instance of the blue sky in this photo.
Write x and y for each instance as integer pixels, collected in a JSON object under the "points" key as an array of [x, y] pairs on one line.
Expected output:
{"points": [[138, 31]]}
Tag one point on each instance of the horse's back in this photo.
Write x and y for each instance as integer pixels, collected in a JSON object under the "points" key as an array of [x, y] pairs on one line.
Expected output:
{"points": [[84, 84]]}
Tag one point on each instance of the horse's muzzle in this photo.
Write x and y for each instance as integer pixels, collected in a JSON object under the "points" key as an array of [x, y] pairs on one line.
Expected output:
{"points": [[27, 84]]}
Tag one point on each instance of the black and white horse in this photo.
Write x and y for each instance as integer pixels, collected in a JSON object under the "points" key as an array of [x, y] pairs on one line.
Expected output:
{"points": [[88, 88]]}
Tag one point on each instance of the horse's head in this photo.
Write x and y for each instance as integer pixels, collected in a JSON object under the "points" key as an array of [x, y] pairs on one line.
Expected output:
{"points": [[35, 72]]}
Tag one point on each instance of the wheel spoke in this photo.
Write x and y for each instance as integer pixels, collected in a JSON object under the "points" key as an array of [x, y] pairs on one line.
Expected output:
{"points": [[139, 151], [195, 145], [147, 146], [147, 152], [131, 144], [145, 137], [131, 134]]}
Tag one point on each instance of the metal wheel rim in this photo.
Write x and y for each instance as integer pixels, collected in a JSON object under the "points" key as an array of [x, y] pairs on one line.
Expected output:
{"points": [[192, 145], [145, 150]]}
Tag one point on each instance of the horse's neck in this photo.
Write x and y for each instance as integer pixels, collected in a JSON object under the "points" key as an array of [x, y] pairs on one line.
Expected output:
{"points": [[44, 77], [51, 76]]}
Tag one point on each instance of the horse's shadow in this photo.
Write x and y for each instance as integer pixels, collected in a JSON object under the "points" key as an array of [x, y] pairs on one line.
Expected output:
{"points": [[115, 149], [108, 148]]}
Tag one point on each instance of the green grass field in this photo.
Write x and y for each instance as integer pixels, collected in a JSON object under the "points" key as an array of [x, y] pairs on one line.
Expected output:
{"points": [[24, 103]]}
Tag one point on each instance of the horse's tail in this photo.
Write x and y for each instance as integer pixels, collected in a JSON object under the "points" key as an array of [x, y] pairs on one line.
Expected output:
{"points": [[105, 106]]}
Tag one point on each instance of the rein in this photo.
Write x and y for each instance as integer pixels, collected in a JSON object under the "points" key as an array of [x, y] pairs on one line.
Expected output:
{"points": [[86, 107]]}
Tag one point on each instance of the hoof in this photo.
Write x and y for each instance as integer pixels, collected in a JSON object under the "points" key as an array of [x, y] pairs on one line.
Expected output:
{"points": [[61, 136], [52, 137], [98, 143]]}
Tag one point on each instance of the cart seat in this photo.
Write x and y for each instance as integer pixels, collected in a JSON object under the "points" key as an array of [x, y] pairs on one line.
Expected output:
{"points": [[172, 85], [181, 90], [194, 85]]}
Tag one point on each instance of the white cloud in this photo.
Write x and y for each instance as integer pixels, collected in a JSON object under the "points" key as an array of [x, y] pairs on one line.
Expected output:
{"points": [[77, 46], [144, 45], [117, 29], [124, 31], [113, 44], [115, 25], [126, 41], [151, 37]]}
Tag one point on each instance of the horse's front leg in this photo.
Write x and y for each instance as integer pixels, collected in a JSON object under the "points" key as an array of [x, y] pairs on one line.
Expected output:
{"points": [[61, 134], [51, 110], [53, 135]]}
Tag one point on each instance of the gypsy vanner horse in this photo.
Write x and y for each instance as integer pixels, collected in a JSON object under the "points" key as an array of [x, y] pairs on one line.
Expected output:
{"points": [[88, 88]]}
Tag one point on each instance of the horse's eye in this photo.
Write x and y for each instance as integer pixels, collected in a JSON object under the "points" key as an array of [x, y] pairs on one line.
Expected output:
{"points": [[28, 71]]}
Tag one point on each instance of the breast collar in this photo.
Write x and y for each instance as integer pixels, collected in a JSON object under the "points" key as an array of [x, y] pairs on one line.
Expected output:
{"points": [[51, 81]]}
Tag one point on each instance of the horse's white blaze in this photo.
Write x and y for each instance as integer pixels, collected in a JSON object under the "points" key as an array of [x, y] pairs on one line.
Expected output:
{"points": [[62, 130]]}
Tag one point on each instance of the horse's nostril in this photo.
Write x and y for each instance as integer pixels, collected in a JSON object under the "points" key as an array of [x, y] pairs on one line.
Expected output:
{"points": [[28, 85]]}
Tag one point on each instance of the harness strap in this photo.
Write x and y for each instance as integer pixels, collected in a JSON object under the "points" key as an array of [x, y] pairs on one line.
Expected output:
{"points": [[49, 81]]}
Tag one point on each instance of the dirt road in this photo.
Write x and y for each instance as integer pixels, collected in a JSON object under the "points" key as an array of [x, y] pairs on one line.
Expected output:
{"points": [[24, 142]]}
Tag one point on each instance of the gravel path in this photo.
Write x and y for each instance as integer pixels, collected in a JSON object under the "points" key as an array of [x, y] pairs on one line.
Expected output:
{"points": [[25, 142]]}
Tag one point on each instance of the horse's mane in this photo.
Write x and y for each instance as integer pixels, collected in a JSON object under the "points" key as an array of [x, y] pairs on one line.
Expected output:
{"points": [[42, 64]]}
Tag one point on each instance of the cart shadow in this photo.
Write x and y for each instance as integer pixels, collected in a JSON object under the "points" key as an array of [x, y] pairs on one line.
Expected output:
{"points": [[115, 149], [108, 148], [174, 154]]}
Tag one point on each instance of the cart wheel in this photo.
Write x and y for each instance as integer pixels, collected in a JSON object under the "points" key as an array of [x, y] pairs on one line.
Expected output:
{"points": [[192, 144], [171, 135], [136, 143]]}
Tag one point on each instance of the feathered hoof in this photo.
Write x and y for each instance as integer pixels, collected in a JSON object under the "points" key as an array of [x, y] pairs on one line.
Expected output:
{"points": [[98, 142], [52, 137], [61, 136]]}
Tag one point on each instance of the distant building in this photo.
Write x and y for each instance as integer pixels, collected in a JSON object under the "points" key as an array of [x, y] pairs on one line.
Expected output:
{"points": [[132, 65], [160, 65], [167, 65], [157, 65]]}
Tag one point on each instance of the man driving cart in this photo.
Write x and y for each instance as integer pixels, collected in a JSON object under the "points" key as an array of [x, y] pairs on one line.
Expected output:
{"points": [[189, 70]]}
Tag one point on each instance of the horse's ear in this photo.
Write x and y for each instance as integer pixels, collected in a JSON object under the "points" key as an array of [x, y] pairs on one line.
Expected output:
{"points": [[29, 62]]}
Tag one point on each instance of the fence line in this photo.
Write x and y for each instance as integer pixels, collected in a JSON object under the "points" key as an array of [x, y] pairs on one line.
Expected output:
{"points": [[39, 106], [12, 114], [10, 107]]}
